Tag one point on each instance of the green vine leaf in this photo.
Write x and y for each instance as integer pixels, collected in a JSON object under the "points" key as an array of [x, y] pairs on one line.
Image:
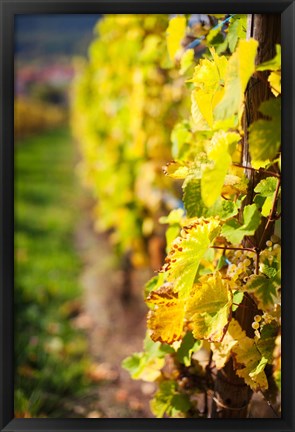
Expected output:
{"points": [[240, 68], [180, 136], [169, 401], [188, 346], [187, 60], [186, 253], [251, 357], [265, 135], [209, 308], [147, 365], [234, 232], [263, 288], [192, 199], [236, 31], [274, 64], [266, 189]]}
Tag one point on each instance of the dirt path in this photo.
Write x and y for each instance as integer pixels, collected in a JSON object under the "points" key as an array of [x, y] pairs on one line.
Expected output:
{"points": [[114, 330]]}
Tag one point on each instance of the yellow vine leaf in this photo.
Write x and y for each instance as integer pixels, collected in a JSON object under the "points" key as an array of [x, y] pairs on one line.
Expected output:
{"points": [[222, 350], [186, 61], [175, 34], [209, 308], [240, 68], [213, 177], [274, 80], [274, 64], [167, 319], [208, 87], [250, 364], [186, 252]]}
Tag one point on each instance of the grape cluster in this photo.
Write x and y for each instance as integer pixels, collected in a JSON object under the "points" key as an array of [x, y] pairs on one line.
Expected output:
{"points": [[241, 266]]}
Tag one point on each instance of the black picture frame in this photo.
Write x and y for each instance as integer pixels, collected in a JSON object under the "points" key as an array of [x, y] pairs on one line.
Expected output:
{"points": [[8, 9]]}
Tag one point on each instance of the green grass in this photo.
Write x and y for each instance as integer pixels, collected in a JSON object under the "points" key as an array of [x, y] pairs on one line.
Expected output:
{"points": [[50, 359]]}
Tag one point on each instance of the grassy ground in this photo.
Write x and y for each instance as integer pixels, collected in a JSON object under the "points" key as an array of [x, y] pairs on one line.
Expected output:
{"points": [[50, 357]]}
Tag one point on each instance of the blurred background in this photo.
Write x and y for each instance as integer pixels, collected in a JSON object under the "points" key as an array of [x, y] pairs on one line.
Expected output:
{"points": [[72, 325]]}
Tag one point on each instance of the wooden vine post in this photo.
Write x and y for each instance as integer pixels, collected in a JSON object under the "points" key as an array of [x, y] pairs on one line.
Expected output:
{"points": [[231, 394]]}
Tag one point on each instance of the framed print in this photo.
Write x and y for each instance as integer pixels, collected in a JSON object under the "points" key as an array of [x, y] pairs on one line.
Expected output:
{"points": [[147, 216]]}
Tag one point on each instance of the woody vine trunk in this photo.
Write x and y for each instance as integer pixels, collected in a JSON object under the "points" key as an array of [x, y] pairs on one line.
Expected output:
{"points": [[231, 395]]}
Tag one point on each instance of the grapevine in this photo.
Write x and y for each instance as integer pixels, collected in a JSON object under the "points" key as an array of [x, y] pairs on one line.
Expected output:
{"points": [[177, 99]]}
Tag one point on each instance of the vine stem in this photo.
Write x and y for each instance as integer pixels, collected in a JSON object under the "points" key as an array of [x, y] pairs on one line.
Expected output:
{"points": [[269, 404], [257, 170], [271, 216], [233, 248]]}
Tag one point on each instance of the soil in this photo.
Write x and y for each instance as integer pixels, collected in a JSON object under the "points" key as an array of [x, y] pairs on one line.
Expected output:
{"points": [[115, 329]]}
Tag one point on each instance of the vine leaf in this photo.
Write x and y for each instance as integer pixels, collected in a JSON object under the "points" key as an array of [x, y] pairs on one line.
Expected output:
{"points": [[251, 357], [176, 170], [186, 252], [167, 319], [240, 68], [193, 203], [208, 87], [180, 136], [147, 365], [195, 206], [236, 31], [234, 232], [250, 363], [222, 350], [265, 135], [266, 189], [188, 346], [141, 367], [169, 401], [274, 64], [209, 308], [274, 80], [213, 178], [263, 288], [186, 61], [175, 34]]}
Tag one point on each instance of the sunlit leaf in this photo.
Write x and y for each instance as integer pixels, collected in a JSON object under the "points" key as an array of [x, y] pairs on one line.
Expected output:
{"points": [[236, 30], [188, 346], [208, 87], [250, 364], [141, 367], [265, 135], [274, 64], [175, 34], [266, 189], [187, 60], [167, 319], [263, 288], [176, 170], [193, 203], [240, 68], [213, 178], [147, 365], [180, 136], [234, 232], [274, 80], [209, 308], [222, 350], [169, 401], [186, 253]]}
